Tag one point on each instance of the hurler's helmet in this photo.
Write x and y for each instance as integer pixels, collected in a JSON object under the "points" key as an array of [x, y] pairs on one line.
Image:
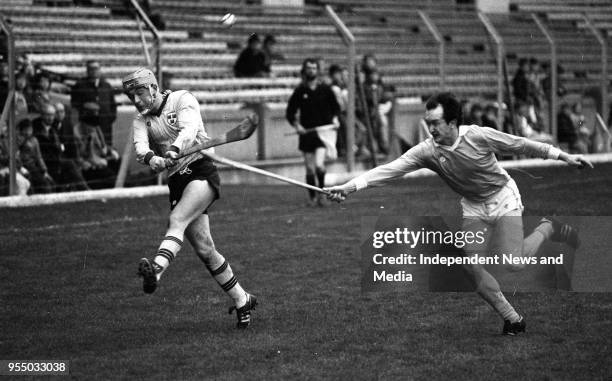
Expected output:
{"points": [[142, 77]]}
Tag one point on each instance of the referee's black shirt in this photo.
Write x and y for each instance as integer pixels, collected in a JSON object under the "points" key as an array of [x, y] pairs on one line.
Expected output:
{"points": [[317, 107]]}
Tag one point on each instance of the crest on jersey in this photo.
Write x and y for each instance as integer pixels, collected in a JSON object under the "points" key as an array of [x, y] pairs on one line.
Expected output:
{"points": [[171, 118]]}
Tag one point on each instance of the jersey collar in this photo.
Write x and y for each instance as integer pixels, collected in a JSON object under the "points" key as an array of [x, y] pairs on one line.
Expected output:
{"points": [[163, 103], [462, 131]]}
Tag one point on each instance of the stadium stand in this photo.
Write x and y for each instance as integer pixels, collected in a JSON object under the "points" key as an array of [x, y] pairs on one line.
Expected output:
{"points": [[579, 51], [200, 52]]}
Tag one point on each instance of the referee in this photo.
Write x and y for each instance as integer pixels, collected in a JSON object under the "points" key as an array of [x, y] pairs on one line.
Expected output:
{"points": [[317, 106]]}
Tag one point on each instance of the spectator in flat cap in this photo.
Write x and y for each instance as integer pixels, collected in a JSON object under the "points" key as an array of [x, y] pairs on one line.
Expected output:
{"points": [[94, 88]]}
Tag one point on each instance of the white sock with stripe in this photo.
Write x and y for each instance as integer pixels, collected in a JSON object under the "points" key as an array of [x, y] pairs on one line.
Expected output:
{"points": [[504, 308], [166, 253], [224, 275]]}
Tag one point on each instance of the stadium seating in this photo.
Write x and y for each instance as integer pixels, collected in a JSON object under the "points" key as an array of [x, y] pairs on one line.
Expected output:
{"points": [[579, 52], [200, 52]]}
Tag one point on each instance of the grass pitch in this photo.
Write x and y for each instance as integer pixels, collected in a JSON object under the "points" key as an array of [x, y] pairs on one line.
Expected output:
{"points": [[70, 291]]}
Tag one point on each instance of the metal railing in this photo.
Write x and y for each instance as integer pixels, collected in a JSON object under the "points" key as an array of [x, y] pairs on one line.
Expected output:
{"points": [[604, 63], [128, 148], [604, 138], [499, 43], [554, 100], [433, 29], [8, 112], [349, 41], [156, 35]]}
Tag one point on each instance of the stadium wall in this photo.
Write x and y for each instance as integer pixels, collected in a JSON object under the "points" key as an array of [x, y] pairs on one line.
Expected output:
{"points": [[294, 169], [271, 141]]}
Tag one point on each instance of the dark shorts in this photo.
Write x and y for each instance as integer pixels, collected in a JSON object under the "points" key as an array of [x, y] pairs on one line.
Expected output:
{"points": [[202, 169], [310, 142]]}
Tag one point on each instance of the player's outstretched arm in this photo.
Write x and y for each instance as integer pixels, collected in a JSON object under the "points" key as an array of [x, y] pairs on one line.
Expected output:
{"points": [[577, 161]]}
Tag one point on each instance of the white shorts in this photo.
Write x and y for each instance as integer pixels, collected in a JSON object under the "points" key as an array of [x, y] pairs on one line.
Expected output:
{"points": [[506, 202]]}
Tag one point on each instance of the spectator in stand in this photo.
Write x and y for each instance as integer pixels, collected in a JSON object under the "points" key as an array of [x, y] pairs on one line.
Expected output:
{"points": [[475, 115], [375, 95], [270, 54], [369, 63], [41, 94], [535, 76], [4, 83], [251, 61], [32, 160], [584, 135], [21, 182], [21, 102], [64, 127], [94, 88], [100, 161], [546, 81], [338, 86], [373, 90], [323, 73], [25, 66], [520, 82], [566, 131], [64, 171], [379, 99], [528, 128], [489, 118]]}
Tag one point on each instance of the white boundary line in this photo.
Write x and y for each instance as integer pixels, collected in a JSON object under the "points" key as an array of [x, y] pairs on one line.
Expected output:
{"points": [[160, 190]]}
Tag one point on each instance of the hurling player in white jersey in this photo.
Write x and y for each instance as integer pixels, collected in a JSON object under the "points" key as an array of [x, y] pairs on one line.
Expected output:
{"points": [[464, 157], [166, 125]]}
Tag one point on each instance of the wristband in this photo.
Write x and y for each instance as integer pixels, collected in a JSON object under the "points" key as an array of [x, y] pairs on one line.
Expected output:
{"points": [[148, 157]]}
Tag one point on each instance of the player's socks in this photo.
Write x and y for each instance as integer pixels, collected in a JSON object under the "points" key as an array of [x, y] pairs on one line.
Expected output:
{"points": [[504, 308], [532, 243], [224, 275], [310, 180], [545, 228], [166, 253], [321, 177]]}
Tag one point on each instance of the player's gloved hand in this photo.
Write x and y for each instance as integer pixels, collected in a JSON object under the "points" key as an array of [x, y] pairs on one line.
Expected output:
{"points": [[577, 161], [340, 192], [157, 163], [171, 158]]}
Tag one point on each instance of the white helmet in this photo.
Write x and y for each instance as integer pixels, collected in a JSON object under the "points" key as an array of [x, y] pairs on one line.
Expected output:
{"points": [[142, 77]]}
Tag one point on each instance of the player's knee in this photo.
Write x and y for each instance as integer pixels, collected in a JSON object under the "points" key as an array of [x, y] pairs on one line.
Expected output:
{"points": [[310, 171], [176, 221], [319, 170]]}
